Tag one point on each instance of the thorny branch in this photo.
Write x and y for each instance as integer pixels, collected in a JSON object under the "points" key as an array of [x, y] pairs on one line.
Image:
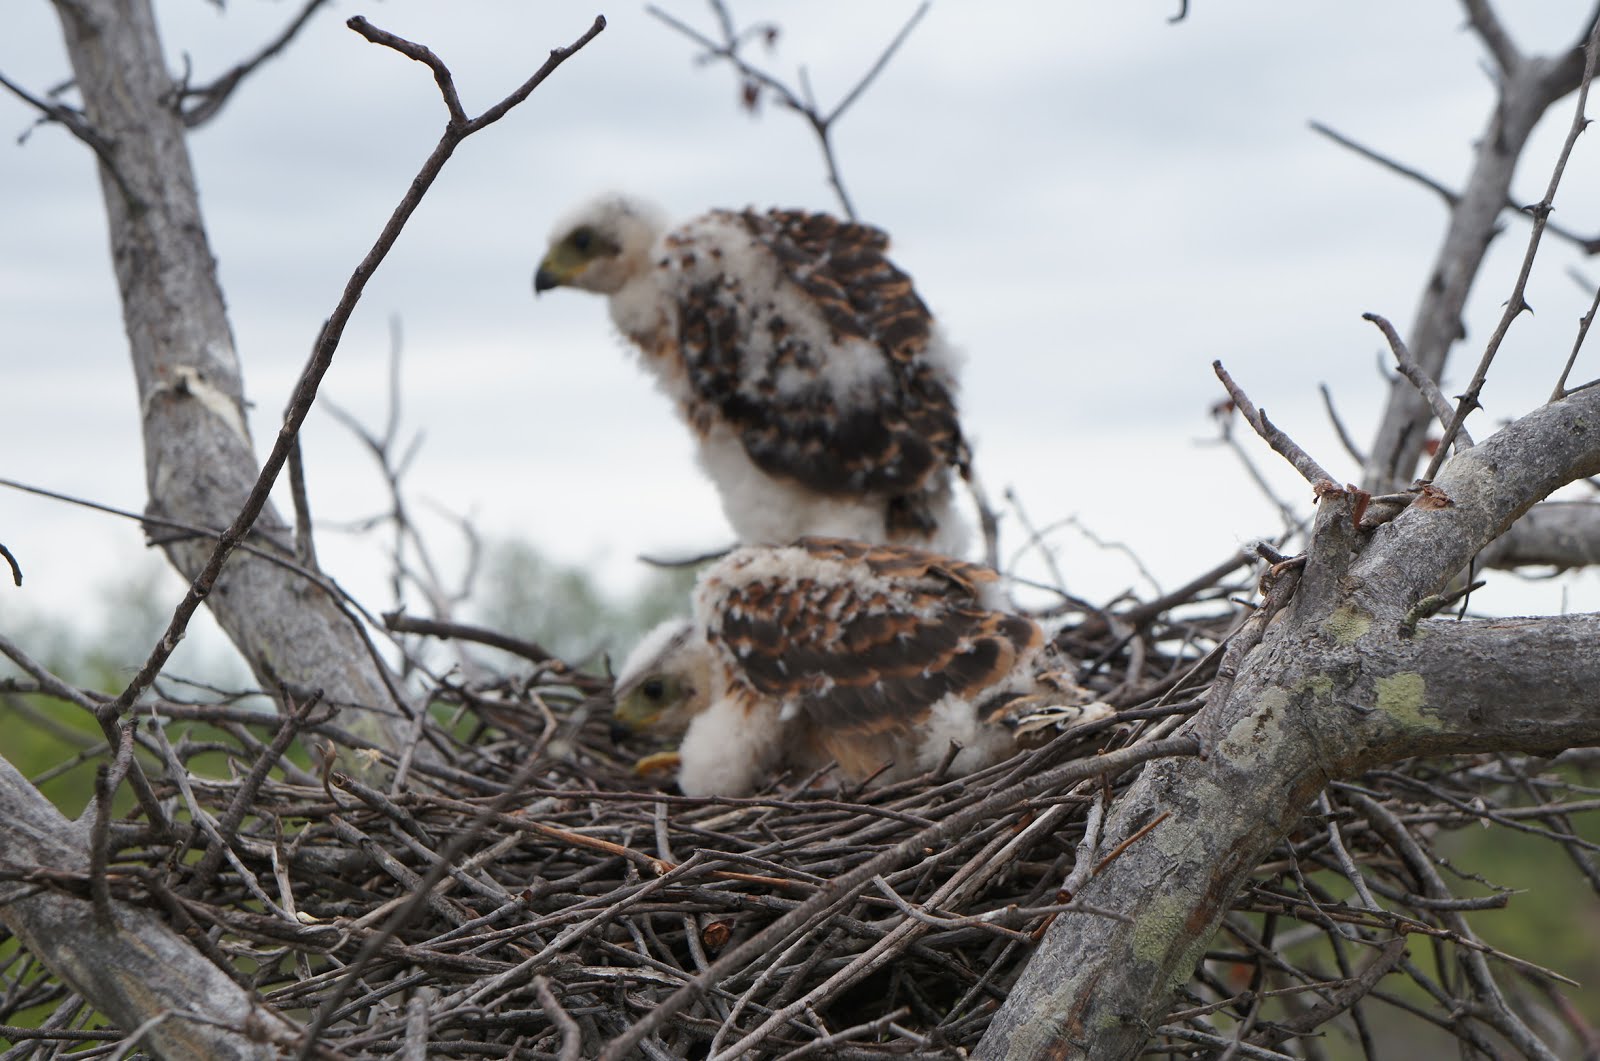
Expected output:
{"points": [[1517, 303]]}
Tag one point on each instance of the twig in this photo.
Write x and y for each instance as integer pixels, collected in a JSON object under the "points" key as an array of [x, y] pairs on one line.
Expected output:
{"points": [[801, 102], [108, 776], [1452, 198], [77, 123], [1339, 429], [528, 650], [1419, 379], [298, 717], [1309, 469], [54, 686], [1561, 383]]}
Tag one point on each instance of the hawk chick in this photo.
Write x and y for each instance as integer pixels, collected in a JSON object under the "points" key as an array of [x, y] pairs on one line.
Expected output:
{"points": [[831, 650], [812, 376]]}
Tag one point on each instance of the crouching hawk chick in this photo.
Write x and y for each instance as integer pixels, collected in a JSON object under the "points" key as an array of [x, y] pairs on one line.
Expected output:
{"points": [[819, 391], [830, 650]]}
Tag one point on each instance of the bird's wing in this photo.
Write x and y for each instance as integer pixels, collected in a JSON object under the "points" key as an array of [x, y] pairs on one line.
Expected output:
{"points": [[857, 642], [799, 334]]}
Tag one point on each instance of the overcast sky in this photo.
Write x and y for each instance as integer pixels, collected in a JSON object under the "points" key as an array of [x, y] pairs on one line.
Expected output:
{"points": [[1094, 202]]}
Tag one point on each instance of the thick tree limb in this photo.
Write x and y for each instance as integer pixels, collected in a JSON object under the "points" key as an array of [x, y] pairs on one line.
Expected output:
{"points": [[1339, 683], [135, 967], [200, 464]]}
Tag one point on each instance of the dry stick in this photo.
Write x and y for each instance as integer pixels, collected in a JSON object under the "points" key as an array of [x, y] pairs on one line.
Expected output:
{"points": [[1517, 302], [1494, 1010], [1555, 395], [76, 123], [1419, 379], [458, 128], [51, 685], [871, 1027], [987, 862], [528, 650], [1286, 447], [845, 887], [106, 779], [571, 1036], [305, 392]]}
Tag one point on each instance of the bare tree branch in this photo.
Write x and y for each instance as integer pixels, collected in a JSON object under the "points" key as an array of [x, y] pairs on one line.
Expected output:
{"points": [[1577, 345], [800, 102], [1488, 27], [210, 99]]}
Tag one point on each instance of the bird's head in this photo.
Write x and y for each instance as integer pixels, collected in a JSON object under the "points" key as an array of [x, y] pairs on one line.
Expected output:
{"points": [[600, 246], [663, 684]]}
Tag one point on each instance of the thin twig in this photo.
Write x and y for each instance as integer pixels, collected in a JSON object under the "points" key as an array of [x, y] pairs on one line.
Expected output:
{"points": [[1309, 469], [1419, 379]]}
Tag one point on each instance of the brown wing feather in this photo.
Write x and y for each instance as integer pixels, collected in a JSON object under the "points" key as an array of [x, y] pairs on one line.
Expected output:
{"points": [[897, 447], [860, 641]]}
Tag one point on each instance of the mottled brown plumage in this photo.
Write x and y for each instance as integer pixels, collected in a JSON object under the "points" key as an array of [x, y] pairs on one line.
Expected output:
{"points": [[874, 657], [801, 357]]}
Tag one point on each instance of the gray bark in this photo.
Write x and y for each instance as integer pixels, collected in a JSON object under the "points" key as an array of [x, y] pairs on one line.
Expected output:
{"points": [[133, 968], [200, 461], [1344, 679], [1558, 534]]}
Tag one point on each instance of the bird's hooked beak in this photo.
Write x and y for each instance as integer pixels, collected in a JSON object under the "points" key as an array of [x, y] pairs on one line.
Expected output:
{"points": [[546, 278]]}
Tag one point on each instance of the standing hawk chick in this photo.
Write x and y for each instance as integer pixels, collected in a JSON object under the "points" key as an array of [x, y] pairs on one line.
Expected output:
{"points": [[813, 378], [831, 650]]}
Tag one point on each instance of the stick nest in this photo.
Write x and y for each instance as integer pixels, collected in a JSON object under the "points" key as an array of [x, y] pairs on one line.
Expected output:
{"points": [[568, 898]]}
